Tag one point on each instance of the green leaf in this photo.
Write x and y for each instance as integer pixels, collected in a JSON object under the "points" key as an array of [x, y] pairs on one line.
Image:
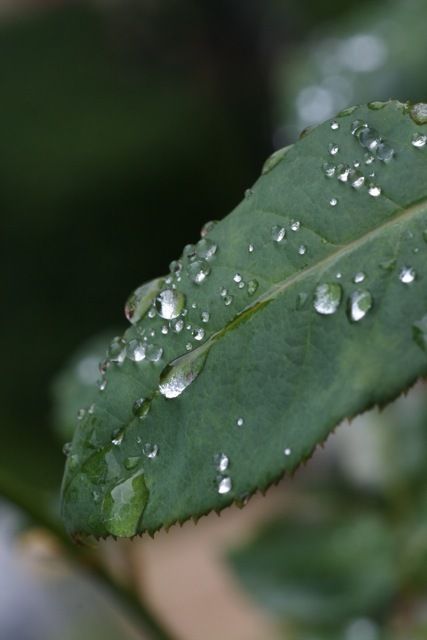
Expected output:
{"points": [[296, 310]]}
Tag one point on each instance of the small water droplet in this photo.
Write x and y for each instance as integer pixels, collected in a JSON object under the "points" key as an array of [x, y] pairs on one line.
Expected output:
{"points": [[141, 299], [81, 414], [250, 248], [240, 422], [207, 228], [224, 485], [223, 292], [359, 277], [357, 126], [361, 302], [419, 113], [141, 407], [335, 125], [150, 450], [170, 303], [189, 252], [152, 313], [333, 149], [407, 275], [204, 316], [419, 332], [104, 365], [206, 248], [277, 233], [376, 105], [252, 287], [198, 334], [374, 190], [295, 225], [91, 409], [338, 275], [369, 138], [189, 346], [333, 202], [153, 352], [176, 325], [385, 152], [165, 329], [237, 277], [67, 448], [249, 193], [135, 351], [356, 178], [175, 267], [287, 451], [102, 383], [343, 171], [241, 284], [228, 300], [302, 250], [117, 350], [180, 373], [347, 111], [117, 436], [418, 140], [198, 271], [327, 298], [328, 169], [368, 158], [221, 461]]}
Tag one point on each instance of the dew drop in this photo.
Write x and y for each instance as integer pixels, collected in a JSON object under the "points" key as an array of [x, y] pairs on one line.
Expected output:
{"points": [[135, 350], [385, 152], [418, 140], [170, 303], [338, 275], [249, 193], [175, 267], [67, 448], [359, 277], [343, 171], [333, 149], [81, 414], [240, 422], [91, 409], [224, 485], [223, 292], [295, 225], [327, 298], [302, 250], [237, 278], [152, 313], [328, 169], [180, 373], [117, 436], [357, 179], [204, 316], [228, 300], [102, 383], [335, 125], [368, 158], [189, 252], [357, 127], [347, 111], [360, 303], [122, 507], [419, 332], [301, 300], [198, 271], [189, 346], [153, 352], [141, 299], [277, 233], [250, 248], [221, 462], [376, 105], [419, 113], [207, 228], [369, 138], [374, 190], [333, 202], [198, 334], [117, 350], [287, 451], [150, 450], [407, 275], [141, 407], [165, 329], [206, 248], [104, 365], [176, 325], [252, 287]]}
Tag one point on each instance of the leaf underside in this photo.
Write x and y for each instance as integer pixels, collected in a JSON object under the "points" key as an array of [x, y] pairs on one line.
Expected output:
{"points": [[304, 306]]}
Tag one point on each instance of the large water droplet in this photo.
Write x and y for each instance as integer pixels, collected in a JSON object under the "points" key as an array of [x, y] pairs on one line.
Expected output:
{"points": [[407, 275], [361, 302], [135, 350], [153, 352], [419, 332], [170, 303], [327, 298], [141, 299], [206, 248], [180, 373], [277, 233], [385, 152], [224, 485], [369, 138], [141, 407], [198, 271], [419, 113], [123, 506]]}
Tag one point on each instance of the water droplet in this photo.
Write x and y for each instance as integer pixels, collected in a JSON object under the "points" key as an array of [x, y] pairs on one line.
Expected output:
{"points": [[204, 316], [141, 299], [102, 383], [376, 105], [368, 158], [327, 298], [198, 334], [333, 149], [150, 450], [189, 252], [117, 350], [223, 292], [252, 287], [170, 303], [274, 159], [335, 125], [328, 169], [369, 138], [165, 329], [277, 233], [221, 461], [338, 275], [117, 436], [189, 346], [206, 248], [343, 171], [418, 140], [141, 407], [250, 248], [407, 275], [374, 190], [347, 111], [419, 113], [81, 414], [359, 277], [180, 373], [240, 422], [361, 302], [357, 127], [357, 179], [207, 228], [122, 507], [333, 202], [131, 462], [295, 225], [237, 277], [175, 267], [419, 332], [152, 313], [153, 352], [241, 284], [287, 451], [302, 250], [224, 485], [385, 152], [228, 300], [249, 193], [198, 271], [67, 448], [176, 325], [135, 350], [91, 409]]}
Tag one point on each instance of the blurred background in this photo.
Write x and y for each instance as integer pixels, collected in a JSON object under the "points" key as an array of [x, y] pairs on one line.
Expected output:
{"points": [[125, 126]]}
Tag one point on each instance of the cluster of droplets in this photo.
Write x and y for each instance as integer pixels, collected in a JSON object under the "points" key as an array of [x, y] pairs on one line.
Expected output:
{"points": [[223, 481]]}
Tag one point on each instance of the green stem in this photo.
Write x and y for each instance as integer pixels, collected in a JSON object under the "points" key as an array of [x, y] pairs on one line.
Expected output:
{"points": [[33, 503]]}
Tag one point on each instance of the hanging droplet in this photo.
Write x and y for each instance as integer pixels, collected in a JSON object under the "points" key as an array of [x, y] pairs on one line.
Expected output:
{"points": [[150, 450], [206, 248], [419, 332], [277, 233], [333, 202], [170, 303], [141, 299], [198, 271], [207, 228], [180, 373], [369, 138], [374, 190], [333, 149], [361, 302], [141, 407], [302, 250], [328, 169], [221, 461], [407, 275], [252, 287], [359, 277], [418, 140], [135, 350], [224, 485], [385, 152], [327, 298], [117, 436], [153, 352]]}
